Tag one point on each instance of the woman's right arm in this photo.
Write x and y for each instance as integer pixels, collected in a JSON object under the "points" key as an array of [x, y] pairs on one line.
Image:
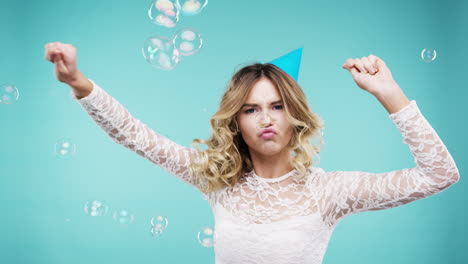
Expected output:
{"points": [[81, 86], [131, 133], [122, 127]]}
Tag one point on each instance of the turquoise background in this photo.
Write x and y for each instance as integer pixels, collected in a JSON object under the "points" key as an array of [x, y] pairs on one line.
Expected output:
{"points": [[39, 192]]}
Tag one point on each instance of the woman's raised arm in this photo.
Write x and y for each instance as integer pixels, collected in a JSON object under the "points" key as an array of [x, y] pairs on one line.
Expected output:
{"points": [[348, 192], [117, 122]]}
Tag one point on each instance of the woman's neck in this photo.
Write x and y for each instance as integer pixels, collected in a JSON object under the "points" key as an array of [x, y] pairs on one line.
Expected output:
{"points": [[273, 166]]}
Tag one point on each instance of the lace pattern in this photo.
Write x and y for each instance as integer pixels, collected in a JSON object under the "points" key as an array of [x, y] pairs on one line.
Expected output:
{"points": [[286, 219], [131, 133]]}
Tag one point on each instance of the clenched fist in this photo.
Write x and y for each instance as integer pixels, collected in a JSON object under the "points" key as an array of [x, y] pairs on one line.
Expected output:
{"points": [[371, 74], [63, 56]]}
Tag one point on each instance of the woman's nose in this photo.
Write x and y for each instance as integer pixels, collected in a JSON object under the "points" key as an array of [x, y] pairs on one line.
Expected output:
{"points": [[262, 119]]}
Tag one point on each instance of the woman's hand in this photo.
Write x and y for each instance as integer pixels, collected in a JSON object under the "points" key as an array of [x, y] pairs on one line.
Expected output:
{"points": [[372, 75], [63, 56]]}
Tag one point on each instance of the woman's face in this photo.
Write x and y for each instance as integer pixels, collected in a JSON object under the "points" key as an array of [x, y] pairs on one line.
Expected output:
{"points": [[264, 109]]}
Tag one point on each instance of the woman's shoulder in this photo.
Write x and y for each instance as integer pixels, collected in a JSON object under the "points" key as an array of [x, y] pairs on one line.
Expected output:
{"points": [[314, 174], [315, 170]]}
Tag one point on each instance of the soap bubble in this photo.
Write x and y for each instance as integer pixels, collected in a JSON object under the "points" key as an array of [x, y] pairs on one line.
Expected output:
{"points": [[64, 148], [428, 54], [188, 41], [8, 94], [161, 53], [159, 222], [205, 236], [96, 208], [191, 7], [164, 13], [123, 217], [156, 232], [263, 119]]}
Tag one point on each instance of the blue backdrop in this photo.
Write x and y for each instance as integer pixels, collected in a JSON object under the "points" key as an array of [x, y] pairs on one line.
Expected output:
{"points": [[42, 197]]}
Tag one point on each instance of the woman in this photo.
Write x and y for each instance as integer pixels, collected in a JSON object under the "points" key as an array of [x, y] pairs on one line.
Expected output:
{"points": [[270, 204]]}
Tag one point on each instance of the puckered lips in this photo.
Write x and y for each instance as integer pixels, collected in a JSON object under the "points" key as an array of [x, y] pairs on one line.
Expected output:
{"points": [[267, 133]]}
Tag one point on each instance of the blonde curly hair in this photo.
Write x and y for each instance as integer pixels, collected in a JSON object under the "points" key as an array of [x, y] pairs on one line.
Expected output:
{"points": [[227, 157]]}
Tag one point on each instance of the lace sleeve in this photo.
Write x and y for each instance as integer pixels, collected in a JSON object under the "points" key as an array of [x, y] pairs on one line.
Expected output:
{"points": [[131, 133], [349, 192]]}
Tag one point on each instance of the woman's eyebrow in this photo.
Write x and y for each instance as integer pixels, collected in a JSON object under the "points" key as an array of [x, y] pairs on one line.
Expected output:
{"points": [[275, 102]]}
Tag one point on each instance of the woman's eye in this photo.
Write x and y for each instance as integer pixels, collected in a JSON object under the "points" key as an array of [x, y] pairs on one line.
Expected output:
{"points": [[248, 111], [280, 106]]}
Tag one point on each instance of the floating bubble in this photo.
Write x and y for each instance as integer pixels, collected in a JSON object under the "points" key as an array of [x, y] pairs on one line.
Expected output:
{"points": [[156, 232], [164, 13], [264, 119], [186, 46], [96, 208], [428, 54], [161, 53], [205, 236], [191, 7], [123, 217], [8, 94], [159, 222], [64, 148], [188, 41]]}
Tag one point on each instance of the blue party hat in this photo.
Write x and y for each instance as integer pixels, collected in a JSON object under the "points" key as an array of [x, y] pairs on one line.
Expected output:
{"points": [[290, 63]]}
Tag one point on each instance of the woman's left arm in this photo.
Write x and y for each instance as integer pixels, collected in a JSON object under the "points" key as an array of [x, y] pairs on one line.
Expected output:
{"points": [[349, 192]]}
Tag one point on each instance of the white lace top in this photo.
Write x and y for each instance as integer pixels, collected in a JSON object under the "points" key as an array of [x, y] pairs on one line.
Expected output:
{"points": [[284, 220]]}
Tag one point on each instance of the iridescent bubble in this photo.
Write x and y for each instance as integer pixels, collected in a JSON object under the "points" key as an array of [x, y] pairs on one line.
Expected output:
{"points": [[188, 41], [205, 236], [156, 232], [96, 208], [161, 53], [262, 119], [64, 148], [123, 217], [428, 54], [191, 7], [8, 94], [164, 13], [159, 222]]}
